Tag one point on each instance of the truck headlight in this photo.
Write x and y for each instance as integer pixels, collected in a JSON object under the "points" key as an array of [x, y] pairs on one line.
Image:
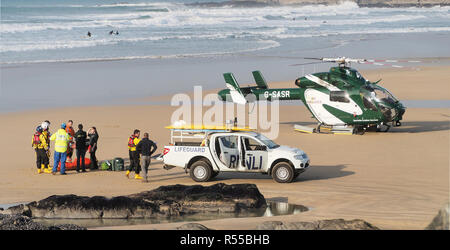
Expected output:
{"points": [[300, 156]]}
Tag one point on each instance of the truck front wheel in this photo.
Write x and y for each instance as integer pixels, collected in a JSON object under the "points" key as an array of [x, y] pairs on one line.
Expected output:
{"points": [[200, 171], [282, 172]]}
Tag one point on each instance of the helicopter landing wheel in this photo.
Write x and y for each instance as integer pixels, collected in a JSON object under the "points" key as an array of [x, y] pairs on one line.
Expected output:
{"points": [[359, 130], [398, 123], [381, 126]]}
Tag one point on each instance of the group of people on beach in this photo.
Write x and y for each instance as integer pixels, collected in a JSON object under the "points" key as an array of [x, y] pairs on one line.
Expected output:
{"points": [[66, 140]]}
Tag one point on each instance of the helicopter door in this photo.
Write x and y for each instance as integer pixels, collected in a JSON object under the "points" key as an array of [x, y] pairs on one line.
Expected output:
{"points": [[315, 100], [227, 151]]}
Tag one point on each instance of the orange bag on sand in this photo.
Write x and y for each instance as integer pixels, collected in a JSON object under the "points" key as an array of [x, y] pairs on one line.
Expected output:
{"points": [[73, 165]]}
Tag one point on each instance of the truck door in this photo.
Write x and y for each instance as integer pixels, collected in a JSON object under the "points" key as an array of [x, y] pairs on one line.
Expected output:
{"points": [[255, 154], [227, 151]]}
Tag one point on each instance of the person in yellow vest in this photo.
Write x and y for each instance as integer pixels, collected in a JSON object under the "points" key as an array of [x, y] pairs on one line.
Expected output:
{"points": [[133, 141], [61, 138], [40, 145]]}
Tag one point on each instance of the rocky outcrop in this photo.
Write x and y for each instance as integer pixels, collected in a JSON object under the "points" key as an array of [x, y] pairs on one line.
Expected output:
{"points": [[441, 220], [192, 226], [21, 222], [336, 224], [165, 201]]}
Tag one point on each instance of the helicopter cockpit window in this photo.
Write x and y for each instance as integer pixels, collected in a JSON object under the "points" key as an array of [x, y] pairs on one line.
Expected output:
{"points": [[339, 96], [384, 95], [368, 103]]}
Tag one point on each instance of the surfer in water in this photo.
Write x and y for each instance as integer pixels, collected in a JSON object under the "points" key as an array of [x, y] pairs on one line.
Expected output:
{"points": [[89, 34]]}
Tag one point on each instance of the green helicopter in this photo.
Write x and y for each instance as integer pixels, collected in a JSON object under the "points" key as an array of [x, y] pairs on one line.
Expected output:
{"points": [[341, 100]]}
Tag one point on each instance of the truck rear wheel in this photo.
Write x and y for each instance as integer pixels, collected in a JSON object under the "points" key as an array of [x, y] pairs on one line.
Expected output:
{"points": [[282, 172], [200, 171]]}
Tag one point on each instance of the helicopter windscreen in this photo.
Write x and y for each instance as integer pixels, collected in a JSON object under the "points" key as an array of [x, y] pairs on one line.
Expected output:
{"points": [[368, 97], [384, 95]]}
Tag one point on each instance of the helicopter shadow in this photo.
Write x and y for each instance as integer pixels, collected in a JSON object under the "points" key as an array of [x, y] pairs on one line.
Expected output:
{"points": [[312, 124], [407, 127], [422, 126]]}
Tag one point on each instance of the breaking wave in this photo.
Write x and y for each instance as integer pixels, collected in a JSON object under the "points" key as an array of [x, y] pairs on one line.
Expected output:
{"points": [[143, 24]]}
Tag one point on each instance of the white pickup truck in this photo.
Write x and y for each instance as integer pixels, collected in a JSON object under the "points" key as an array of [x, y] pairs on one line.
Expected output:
{"points": [[234, 151]]}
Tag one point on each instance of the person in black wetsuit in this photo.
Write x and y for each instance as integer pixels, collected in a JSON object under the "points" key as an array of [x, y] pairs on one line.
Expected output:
{"points": [[80, 142], [93, 140]]}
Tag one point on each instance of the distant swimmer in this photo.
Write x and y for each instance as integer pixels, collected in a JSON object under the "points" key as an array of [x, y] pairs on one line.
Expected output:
{"points": [[89, 34], [117, 32], [111, 32]]}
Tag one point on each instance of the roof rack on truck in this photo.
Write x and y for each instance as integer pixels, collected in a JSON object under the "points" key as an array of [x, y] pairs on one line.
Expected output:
{"points": [[199, 132]]}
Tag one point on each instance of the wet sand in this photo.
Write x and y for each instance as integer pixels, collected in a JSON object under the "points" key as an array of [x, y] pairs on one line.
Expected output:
{"points": [[394, 180]]}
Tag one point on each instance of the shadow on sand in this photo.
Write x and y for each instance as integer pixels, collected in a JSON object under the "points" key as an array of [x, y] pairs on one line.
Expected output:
{"points": [[313, 173], [407, 126], [324, 172], [422, 126]]}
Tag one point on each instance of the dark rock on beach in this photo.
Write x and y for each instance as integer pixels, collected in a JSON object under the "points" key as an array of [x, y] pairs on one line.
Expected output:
{"points": [[165, 201], [21, 222], [192, 226], [441, 220], [216, 198], [336, 224]]}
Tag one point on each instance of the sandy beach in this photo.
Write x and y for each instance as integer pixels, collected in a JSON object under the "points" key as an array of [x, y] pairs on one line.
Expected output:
{"points": [[394, 180]]}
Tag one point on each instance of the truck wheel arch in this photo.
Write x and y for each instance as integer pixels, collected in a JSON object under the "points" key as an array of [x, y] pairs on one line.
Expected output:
{"points": [[198, 158], [277, 161]]}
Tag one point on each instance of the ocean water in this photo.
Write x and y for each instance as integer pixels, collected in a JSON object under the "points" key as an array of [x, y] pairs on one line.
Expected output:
{"points": [[56, 30]]}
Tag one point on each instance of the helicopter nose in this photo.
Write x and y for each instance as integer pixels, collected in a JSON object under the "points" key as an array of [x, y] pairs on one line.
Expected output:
{"points": [[400, 111]]}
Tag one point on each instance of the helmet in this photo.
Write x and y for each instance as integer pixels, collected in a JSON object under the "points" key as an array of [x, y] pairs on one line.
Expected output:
{"points": [[44, 125], [39, 129], [63, 125]]}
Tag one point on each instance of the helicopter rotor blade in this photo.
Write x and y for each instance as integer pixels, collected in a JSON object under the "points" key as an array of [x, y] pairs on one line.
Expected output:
{"points": [[347, 61], [312, 58], [300, 64], [392, 61], [381, 64]]}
